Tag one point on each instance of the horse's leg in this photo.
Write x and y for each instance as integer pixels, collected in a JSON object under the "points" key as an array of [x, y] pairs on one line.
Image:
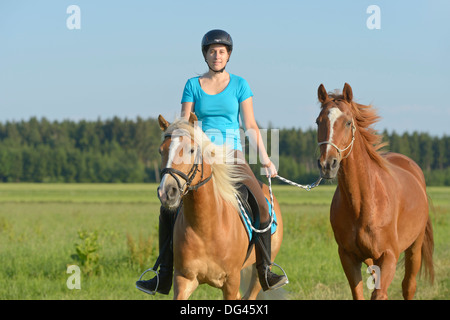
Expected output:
{"points": [[183, 287], [387, 264], [413, 256], [352, 269], [254, 286], [230, 288]]}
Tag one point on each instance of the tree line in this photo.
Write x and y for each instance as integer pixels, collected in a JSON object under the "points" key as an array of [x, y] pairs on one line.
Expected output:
{"points": [[124, 150]]}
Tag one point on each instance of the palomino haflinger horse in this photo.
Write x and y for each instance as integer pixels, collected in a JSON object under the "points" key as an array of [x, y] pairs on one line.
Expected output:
{"points": [[210, 243], [380, 206]]}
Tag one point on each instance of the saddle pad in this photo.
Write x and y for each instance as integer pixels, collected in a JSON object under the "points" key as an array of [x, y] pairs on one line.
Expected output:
{"points": [[249, 229]]}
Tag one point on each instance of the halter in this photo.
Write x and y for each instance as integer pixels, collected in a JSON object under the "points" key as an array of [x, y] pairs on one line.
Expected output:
{"points": [[189, 177], [340, 151]]}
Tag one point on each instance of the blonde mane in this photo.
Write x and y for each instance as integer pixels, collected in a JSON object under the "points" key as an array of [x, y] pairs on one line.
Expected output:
{"points": [[225, 176]]}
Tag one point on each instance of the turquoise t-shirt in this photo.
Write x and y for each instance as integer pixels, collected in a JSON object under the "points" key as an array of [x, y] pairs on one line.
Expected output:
{"points": [[219, 113]]}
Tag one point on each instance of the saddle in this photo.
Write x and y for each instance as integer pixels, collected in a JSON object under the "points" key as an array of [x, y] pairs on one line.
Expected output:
{"points": [[251, 208], [250, 205]]}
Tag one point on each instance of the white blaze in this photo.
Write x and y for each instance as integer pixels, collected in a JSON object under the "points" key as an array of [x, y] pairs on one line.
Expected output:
{"points": [[333, 115], [174, 144]]}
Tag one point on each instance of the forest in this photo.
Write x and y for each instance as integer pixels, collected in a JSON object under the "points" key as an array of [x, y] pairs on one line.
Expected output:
{"points": [[124, 150]]}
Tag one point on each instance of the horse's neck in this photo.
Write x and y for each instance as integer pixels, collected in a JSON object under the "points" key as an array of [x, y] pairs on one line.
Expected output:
{"points": [[200, 207], [355, 177]]}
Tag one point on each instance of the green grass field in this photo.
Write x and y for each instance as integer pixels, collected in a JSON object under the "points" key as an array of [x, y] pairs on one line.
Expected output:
{"points": [[114, 227]]}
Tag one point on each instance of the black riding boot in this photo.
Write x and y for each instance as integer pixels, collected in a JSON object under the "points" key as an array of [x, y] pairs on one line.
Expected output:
{"points": [[267, 278], [166, 219]]}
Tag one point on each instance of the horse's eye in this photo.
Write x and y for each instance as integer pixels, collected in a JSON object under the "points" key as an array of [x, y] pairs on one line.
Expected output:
{"points": [[349, 123], [192, 150]]}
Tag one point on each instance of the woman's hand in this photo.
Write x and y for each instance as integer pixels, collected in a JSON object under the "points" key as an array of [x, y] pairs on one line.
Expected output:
{"points": [[270, 169]]}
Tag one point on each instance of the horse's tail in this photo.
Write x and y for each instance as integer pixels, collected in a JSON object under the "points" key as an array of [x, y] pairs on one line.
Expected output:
{"points": [[427, 252]]}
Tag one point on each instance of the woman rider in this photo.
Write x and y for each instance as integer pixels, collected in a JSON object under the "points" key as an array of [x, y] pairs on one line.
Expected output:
{"points": [[218, 99]]}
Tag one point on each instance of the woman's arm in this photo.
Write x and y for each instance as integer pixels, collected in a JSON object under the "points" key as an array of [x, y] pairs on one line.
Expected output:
{"points": [[186, 108], [254, 135]]}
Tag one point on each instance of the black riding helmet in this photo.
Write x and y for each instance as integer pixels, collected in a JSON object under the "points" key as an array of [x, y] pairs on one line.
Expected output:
{"points": [[216, 36]]}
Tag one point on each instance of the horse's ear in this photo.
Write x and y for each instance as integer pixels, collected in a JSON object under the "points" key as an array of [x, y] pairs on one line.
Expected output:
{"points": [[163, 124], [347, 92], [322, 94], [192, 118]]}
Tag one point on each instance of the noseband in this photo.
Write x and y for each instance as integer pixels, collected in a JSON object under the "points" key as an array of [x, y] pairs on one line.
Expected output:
{"points": [[340, 151], [190, 176]]}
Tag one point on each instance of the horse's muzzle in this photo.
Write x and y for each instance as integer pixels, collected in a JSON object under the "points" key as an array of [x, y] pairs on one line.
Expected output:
{"points": [[328, 167], [169, 195]]}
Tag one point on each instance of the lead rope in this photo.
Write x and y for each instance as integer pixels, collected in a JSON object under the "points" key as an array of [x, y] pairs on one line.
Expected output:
{"points": [[244, 214], [307, 187]]}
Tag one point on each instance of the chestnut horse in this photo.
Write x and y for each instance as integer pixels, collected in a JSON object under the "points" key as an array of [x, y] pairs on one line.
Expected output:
{"points": [[210, 243], [380, 206]]}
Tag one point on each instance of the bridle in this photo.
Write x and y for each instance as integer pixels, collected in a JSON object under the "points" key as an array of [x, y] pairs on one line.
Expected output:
{"points": [[190, 176], [340, 151]]}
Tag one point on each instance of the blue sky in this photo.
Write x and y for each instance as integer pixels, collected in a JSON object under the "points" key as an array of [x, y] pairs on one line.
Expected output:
{"points": [[132, 58]]}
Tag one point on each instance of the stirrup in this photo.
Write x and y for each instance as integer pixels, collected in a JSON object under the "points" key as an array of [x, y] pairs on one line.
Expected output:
{"points": [[157, 282], [278, 285]]}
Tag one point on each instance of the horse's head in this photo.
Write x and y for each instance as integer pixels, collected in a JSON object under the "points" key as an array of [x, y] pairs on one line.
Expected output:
{"points": [[181, 163], [336, 130]]}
